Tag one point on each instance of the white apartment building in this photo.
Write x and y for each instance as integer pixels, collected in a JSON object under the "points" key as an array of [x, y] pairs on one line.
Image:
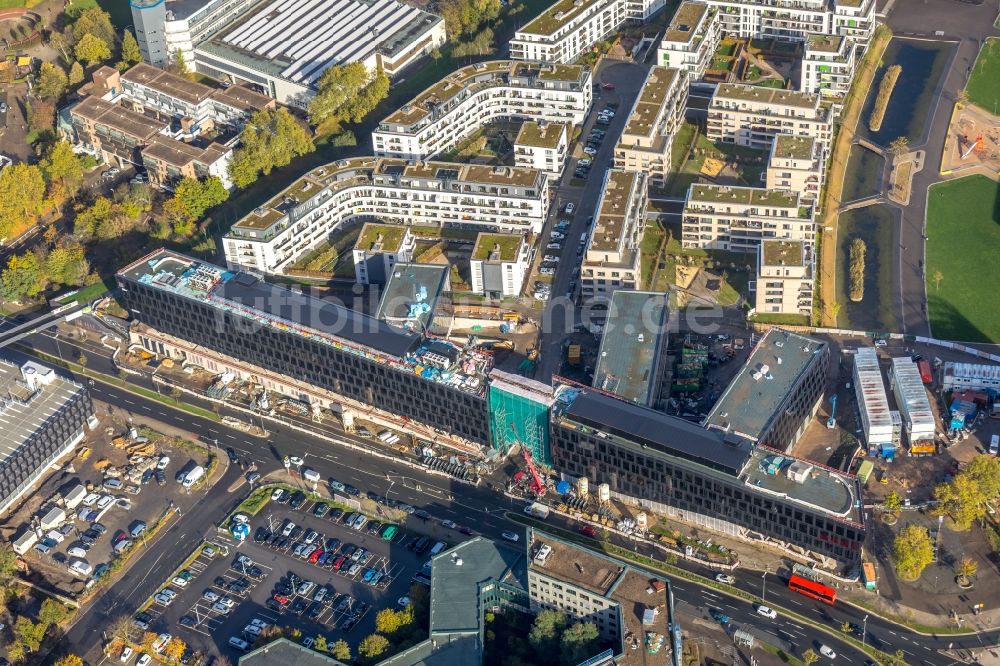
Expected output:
{"points": [[911, 399], [498, 264], [691, 39], [439, 118], [656, 116], [509, 199], [737, 219], [612, 259], [543, 146], [797, 19], [751, 116], [797, 164], [564, 31], [784, 277], [164, 27], [380, 247], [828, 65], [873, 405]]}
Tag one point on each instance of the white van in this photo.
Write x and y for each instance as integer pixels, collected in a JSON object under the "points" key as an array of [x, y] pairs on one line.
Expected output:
{"points": [[80, 568], [543, 554], [193, 476], [995, 445]]}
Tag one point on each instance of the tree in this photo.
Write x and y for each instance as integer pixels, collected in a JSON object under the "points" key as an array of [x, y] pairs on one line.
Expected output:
{"points": [[197, 196], [464, 17], [319, 644], [130, 49], [52, 82], [52, 612], [966, 498], [341, 651], [966, 569], [29, 633], [271, 139], [82, 359], [174, 649], [22, 193], [63, 170], [92, 50], [389, 621], [22, 277], [857, 269], [67, 265], [8, 563], [179, 217], [937, 277], [178, 64], [16, 652], [365, 101], [893, 503], [900, 145], [845, 627], [809, 657], [962, 97], [912, 551], [578, 643], [546, 629], [41, 115], [121, 629], [76, 73], [96, 22], [336, 86], [69, 660], [373, 646]]}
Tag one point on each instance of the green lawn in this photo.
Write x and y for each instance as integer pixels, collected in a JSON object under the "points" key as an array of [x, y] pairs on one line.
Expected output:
{"points": [[963, 234], [984, 84]]}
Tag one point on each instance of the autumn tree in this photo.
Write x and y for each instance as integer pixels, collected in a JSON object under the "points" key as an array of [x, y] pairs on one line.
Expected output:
{"points": [[464, 17], [174, 649], [92, 50], [893, 503], [389, 621], [900, 145], [912, 551], [76, 73], [130, 52], [178, 64], [63, 170], [578, 642], [29, 633], [22, 277], [52, 612], [22, 193], [52, 82], [41, 115], [69, 660], [197, 196], [966, 568], [341, 651], [271, 139], [93, 21], [319, 643], [334, 90], [373, 646], [966, 498], [809, 657], [67, 266], [8, 563]]}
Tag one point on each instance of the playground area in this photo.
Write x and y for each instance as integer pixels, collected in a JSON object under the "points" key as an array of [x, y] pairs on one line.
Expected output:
{"points": [[973, 143]]}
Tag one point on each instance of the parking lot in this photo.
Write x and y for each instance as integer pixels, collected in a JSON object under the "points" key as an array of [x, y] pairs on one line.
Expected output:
{"points": [[334, 590]]}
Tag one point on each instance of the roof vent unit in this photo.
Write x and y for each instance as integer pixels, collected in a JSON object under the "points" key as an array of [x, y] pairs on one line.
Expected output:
{"points": [[799, 471]]}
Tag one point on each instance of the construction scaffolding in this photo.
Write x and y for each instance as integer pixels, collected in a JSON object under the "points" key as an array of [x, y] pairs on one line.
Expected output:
{"points": [[519, 414]]}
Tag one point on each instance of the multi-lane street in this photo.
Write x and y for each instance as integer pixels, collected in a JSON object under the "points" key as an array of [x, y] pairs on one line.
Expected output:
{"points": [[445, 498]]}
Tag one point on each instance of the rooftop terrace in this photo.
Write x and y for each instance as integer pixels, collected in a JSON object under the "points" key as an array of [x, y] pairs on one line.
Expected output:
{"points": [[128, 122], [651, 101], [326, 322], [808, 483], [794, 147], [759, 390], [772, 97], [633, 339], [825, 43], [783, 253], [742, 196], [684, 25], [541, 136], [612, 213]]}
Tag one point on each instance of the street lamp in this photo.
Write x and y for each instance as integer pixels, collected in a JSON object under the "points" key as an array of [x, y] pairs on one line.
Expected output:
{"points": [[763, 585], [864, 629]]}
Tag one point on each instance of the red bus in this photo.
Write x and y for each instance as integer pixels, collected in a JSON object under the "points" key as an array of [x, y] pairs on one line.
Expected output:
{"points": [[811, 588]]}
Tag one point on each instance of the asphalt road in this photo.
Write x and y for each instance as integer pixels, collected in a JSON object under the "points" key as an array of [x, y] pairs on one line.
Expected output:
{"points": [[476, 507]]}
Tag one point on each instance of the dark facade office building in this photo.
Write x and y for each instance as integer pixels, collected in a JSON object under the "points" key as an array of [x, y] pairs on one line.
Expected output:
{"points": [[319, 342], [717, 479]]}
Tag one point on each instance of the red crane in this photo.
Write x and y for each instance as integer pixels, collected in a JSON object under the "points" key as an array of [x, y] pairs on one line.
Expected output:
{"points": [[537, 485]]}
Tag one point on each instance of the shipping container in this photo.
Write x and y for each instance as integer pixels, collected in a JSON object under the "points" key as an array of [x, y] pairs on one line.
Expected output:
{"points": [[925, 371]]}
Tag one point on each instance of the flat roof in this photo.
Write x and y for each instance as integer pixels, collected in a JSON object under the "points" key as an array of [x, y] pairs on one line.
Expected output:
{"points": [[117, 117], [301, 40], [173, 152], [783, 252], [765, 96], [612, 210], [744, 196], [168, 83], [868, 379], [24, 411], [822, 488], [455, 578], [579, 566], [793, 146], [282, 652], [825, 43], [540, 136], [636, 596], [556, 16], [651, 100], [759, 390], [411, 294], [684, 25], [326, 322], [640, 425], [497, 247], [376, 237], [911, 395], [633, 340], [243, 98]]}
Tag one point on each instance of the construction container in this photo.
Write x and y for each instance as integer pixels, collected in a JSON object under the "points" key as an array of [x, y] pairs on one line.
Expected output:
{"points": [[583, 486], [604, 492], [865, 471]]}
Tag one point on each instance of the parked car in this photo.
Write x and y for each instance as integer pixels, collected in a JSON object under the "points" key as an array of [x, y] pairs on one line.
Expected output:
{"points": [[511, 536]]}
